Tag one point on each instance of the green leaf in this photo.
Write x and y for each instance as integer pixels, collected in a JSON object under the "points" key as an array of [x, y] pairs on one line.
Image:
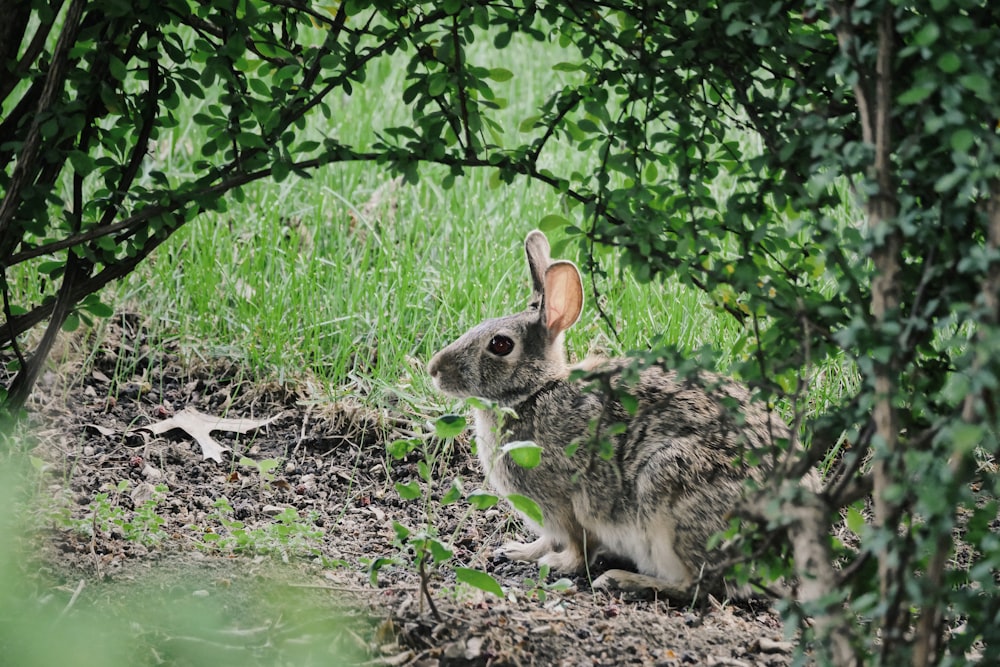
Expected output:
{"points": [[52, 268], [977, 84], [449, 426], [965, 437], [502, 39], [567, 67], [526, 506], [962, 140], [482, 500], [375, 566], [437, 84], [408, 491], [553, 222], [950, 180], [480, 580], [651, 174], [561, 584], [454, 492], [927, 35], [72, 322], [528, 124], [524, 453], [915, 95], [82, 163], [267, 465], [501, 74], [439, 552], [949, 62], [398, 449], [855, 520], [280, 170]]}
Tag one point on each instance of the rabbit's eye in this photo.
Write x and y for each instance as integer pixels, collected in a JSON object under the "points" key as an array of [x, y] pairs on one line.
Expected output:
{"points": [[501, 346]]}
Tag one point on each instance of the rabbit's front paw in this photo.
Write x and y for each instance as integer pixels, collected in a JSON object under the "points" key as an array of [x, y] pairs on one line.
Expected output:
{"points": [[532, 551]]}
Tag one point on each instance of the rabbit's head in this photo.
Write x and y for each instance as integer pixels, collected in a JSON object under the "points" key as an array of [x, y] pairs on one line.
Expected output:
{"points": [[508, 359]]}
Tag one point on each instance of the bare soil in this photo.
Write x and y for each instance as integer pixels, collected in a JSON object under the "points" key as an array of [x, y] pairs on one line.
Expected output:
{"points": [[332, 468]]}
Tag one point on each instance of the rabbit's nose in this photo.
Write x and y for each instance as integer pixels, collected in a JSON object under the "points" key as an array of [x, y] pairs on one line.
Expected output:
{"points": [[434, 365]]}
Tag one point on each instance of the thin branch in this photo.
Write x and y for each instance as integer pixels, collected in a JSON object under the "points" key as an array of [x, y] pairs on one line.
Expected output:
{"points": [[573, 100], [459, 81], [10, 319], [30, 54], [26, 164]]}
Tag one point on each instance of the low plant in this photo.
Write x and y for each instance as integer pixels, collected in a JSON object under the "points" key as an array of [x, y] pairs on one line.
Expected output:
{"points": [[289, 535], [541, 587], [424, 548], [105, 514], [265, 469]]}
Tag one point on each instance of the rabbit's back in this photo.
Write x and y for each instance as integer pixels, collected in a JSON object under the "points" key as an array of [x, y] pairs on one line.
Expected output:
{"points": [[674, 466]]}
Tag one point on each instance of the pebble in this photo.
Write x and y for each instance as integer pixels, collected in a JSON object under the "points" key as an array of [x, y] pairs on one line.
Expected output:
{"points": [[772, 646], [88, 450], [272, 510], [151, 473]]}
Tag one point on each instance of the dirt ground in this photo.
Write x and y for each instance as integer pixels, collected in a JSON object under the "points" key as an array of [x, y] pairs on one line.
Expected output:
{"points": [[327, 460]]}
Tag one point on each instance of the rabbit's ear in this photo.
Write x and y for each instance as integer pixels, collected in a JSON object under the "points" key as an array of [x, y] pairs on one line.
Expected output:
{"points": [[536, 247], [563, 297]]}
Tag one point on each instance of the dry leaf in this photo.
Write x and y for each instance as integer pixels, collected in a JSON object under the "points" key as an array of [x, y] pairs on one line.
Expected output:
{"points": [[199, 426], [103, 430]]}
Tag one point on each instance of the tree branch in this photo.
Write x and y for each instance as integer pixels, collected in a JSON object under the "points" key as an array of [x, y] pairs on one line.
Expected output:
{"points": [[25, 168]]}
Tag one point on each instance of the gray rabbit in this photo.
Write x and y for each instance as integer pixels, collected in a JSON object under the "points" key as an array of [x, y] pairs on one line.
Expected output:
{"points": [[672, 466]]}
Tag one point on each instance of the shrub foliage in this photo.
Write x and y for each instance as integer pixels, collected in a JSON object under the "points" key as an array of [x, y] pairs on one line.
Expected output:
{"points": [[826, 171]]}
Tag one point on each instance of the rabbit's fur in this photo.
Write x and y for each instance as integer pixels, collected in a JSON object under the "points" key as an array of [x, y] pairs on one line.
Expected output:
{"points": [[674, 472]]}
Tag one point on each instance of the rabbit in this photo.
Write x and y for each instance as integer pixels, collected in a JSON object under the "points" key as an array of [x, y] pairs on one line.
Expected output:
{"points": [[674, 471]]}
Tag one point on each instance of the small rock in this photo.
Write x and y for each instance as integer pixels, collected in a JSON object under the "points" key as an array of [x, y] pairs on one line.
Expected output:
{"points": [[134, 390], [88, 450], [473, 648], [272, 510], [289, 467], [142, 493], [151, 473], [200, 593], [771, 646], [454, 650]]}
